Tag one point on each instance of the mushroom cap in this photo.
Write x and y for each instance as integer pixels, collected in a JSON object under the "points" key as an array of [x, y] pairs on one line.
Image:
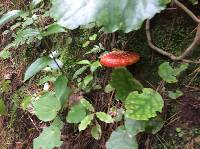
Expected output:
{"points": [[119, 58]]}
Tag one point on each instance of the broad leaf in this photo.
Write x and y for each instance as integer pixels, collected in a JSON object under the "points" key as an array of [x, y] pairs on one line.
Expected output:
{"points": [[85, 122], [121, 139], [62, 90], [84, 62], [47, 107], [9, 16], [124, 83], [47, 79], [48, 139], [104, 117], [126, 15], [4, 54], [53, 29], [143, 106], [36, 66], [175, 95], [76, 114], [94, 66], [96, 132], [3, 110]]}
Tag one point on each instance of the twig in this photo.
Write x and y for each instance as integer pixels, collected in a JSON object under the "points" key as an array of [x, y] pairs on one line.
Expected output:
{"points": [[170, 55], [190, 13], [189, 49]]}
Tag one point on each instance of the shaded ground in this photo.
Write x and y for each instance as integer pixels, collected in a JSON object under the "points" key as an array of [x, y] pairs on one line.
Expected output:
{"points": [[172, 30]]}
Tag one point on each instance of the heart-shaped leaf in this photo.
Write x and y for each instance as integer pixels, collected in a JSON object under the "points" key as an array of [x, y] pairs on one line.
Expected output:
{"points": [[48, 139], [47, 107]]}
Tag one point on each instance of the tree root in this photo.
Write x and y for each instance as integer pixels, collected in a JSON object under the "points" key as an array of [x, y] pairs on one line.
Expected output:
{"points": [[188, 50]]}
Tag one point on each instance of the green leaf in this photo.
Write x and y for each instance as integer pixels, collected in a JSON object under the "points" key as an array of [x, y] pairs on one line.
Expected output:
{"points": [[26, 102], [108, 88], [104, 117], [79, 71], [154, 125], [87, 79], [4, 54], [84, 62], [126, 15], [180, 69], [58, 123], [94, 66], [87, 105], [47, 79], [194, 2], [36, 66], [48, 139], [26, 36], [34, 3], [53, 29], [169, 74], [47, 107], [96, 132], [62, 90], [76, 114], [93, 37], [121, 139], [11, 15], [85, 122], [175, 95], [134, 126], [143, 106], [124, 83], [3, 110]]}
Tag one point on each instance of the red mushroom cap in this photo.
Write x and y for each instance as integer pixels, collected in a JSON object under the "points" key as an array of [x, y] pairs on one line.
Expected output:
{"points": [[119, 59]]}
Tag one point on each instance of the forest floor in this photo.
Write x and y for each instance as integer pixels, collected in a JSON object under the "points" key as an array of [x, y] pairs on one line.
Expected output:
{"points": [[172, 31]]}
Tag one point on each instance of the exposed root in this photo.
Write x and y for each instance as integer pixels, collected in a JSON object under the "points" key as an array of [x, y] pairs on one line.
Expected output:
{"points": [[188, 50]]}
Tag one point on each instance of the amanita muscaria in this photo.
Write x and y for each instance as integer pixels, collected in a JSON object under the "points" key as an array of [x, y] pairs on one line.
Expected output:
{"points": [[119, 58]]}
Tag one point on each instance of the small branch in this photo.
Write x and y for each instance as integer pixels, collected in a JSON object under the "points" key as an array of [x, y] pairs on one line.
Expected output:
{"points": [[170, 55], [190, 13]]}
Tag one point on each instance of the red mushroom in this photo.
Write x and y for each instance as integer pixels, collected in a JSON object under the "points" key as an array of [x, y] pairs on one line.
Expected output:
{"points": [[119, 58]]}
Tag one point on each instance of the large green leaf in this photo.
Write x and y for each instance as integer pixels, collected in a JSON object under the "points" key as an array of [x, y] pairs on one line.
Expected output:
{"points": [[48, 139], [62, 90], [47, 107], [143, 106], [36, 66], [76, 114], [126, 15], [124, 83], [121, 139], [9, 16]]}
